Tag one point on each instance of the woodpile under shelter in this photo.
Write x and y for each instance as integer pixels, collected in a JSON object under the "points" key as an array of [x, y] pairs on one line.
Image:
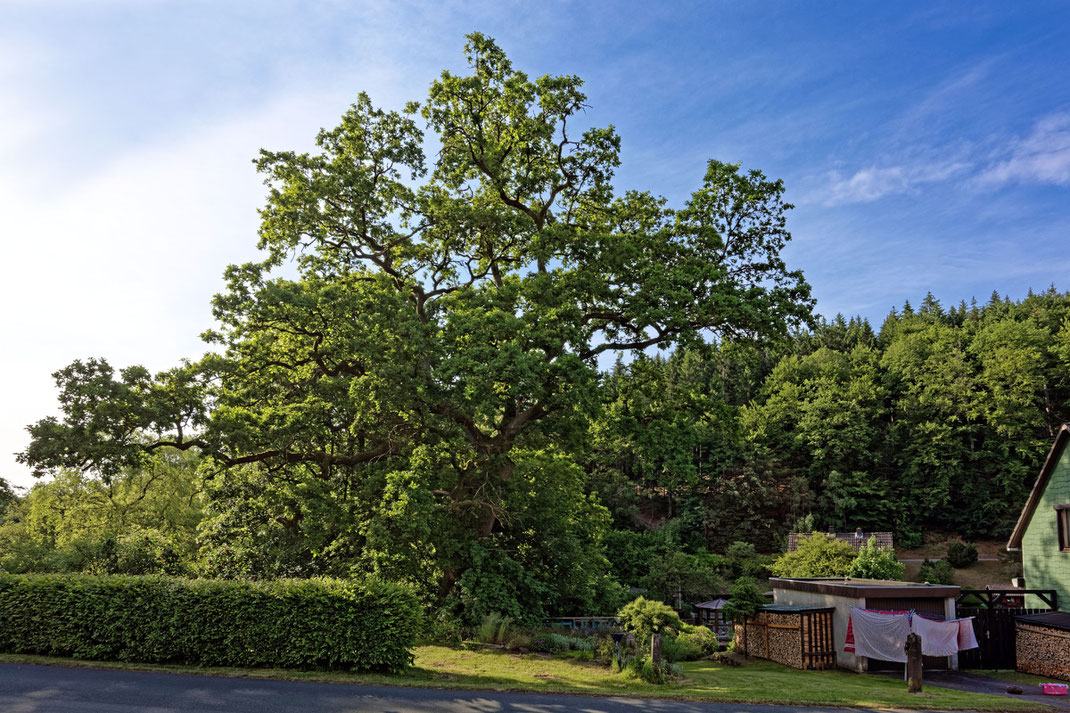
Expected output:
{"points": [[1043, 644], [796, 636], [841, 593]]}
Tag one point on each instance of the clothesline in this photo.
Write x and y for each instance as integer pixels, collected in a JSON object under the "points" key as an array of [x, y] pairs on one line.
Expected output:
{"points": [[882, 634]]}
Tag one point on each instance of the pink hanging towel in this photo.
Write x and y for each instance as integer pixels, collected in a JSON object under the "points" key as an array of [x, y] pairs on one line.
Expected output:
{"points": [[967, 638]]}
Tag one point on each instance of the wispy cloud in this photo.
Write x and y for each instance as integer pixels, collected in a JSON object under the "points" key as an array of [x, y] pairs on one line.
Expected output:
{"points": [[874, 182], [1041, 157]]}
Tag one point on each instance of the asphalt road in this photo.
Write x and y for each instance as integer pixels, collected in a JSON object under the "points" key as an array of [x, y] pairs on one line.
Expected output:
{"points": [[56, 689]]}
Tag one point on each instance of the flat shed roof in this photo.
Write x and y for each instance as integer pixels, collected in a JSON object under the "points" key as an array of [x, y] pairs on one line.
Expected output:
{"points": [[860, 588], [1051, 619]]}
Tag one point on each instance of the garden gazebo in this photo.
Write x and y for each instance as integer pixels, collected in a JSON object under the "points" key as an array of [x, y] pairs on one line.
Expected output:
{"points": [[710, 614]]}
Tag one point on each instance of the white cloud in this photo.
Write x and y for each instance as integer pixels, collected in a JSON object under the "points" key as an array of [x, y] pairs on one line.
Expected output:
{"points": [[872, 183], [123, 264], [1041, 157]]}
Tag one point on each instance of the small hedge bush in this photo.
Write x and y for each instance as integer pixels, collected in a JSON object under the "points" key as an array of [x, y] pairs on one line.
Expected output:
{"points": [[938, 572], [356, 625], [961, 554]]}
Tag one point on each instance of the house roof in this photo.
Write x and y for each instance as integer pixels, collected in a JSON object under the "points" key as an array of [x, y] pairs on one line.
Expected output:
{"points": [[1061, 437], [855, 539], [713, 604], [857, 588]]}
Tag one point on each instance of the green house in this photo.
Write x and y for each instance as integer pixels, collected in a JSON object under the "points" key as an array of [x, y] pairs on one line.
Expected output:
{"points": [[1042, 534]]}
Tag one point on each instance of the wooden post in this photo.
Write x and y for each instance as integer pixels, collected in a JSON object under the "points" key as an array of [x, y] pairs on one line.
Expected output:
{"points": [[655, 649], [913, 649]]}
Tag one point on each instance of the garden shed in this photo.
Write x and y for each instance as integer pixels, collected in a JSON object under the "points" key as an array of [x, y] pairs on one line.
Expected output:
{"points": [[796, 636], [1043, 644], [842, 593]]}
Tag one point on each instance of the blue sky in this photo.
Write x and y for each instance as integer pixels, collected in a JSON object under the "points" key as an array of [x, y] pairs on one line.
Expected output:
{"points": [[926, 146]]}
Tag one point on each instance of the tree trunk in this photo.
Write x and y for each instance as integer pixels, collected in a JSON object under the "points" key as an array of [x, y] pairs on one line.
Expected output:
{"points": [[913, 649], [655, 649]]}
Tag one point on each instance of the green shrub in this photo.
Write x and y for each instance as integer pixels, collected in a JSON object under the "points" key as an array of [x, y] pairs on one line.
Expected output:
{"points": [[815, 556], [552, 643], [518, 641], [442, 628], [961, 554], [679, 648], [701, 638], [605, 648], [648, 616], [345, 624], [909, 539], [743, 561], [642, 667], [875, 562], [494, 629], [939, 572], [744, 600]]}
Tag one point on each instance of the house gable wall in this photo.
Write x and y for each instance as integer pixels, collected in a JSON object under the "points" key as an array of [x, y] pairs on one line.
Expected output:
{"points": [[1043, 565]]}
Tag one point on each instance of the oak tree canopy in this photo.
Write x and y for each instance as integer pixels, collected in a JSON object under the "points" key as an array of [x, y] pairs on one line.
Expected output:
{"points": [[420, 344]]}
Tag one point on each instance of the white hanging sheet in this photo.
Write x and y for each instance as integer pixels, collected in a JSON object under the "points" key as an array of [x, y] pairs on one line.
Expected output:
{"points": [[880, 636], [938, 638]]}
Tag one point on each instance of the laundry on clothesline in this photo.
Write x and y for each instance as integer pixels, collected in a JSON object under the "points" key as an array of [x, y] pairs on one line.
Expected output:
{"points": [[849, 643], [938, 638], [882, 634], [967, 638]]}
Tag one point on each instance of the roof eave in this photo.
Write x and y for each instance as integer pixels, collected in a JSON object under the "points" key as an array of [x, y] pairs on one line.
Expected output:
{"points": [[1014, 544]]}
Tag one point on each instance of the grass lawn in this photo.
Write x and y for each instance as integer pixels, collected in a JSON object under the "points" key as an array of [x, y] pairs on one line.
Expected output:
{"points": [[754, 682], [1022, 679]]}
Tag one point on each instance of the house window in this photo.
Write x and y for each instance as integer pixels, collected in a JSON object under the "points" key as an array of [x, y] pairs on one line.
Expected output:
{"points": [[1062, 516]]}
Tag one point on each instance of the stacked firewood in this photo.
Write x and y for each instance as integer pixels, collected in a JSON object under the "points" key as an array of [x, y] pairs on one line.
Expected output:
{"points": [[1043, 651]]}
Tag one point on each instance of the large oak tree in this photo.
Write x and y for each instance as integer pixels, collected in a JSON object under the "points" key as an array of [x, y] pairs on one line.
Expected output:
{"points": [[424, 333]]}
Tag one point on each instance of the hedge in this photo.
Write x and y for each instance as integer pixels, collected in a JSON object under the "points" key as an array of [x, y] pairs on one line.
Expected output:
{"points": [[356, 625]]}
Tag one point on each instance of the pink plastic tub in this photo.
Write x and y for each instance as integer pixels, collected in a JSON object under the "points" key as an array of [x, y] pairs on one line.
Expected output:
{"points": [[1054, 689]]}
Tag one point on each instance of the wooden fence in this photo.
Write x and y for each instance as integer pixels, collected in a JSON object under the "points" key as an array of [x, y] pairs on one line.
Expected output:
{"points": [[993, 612]]}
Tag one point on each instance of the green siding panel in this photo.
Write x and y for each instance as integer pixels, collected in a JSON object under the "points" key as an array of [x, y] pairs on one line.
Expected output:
{"points": [[1043, 565]]}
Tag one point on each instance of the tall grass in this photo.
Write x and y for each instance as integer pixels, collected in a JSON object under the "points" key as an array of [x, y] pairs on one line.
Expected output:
{"points": [[494, 629]]}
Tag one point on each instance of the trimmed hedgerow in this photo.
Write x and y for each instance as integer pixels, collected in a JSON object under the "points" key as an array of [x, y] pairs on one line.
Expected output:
{"points": [[356, 625]]}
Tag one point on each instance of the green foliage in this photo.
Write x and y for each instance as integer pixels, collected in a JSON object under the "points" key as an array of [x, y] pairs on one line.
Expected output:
{"points": [[494, 629], [8, 498], [818, 555], [642, 668], [442, 628], [745, 600], [875, 562], [694, 576], [411, 400], [288, 624], [743, 561], [136, 522], [909, 539], [961, 554], [646, 616], [690, 644], [422, 397], [939, 572], [554, 643]]}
